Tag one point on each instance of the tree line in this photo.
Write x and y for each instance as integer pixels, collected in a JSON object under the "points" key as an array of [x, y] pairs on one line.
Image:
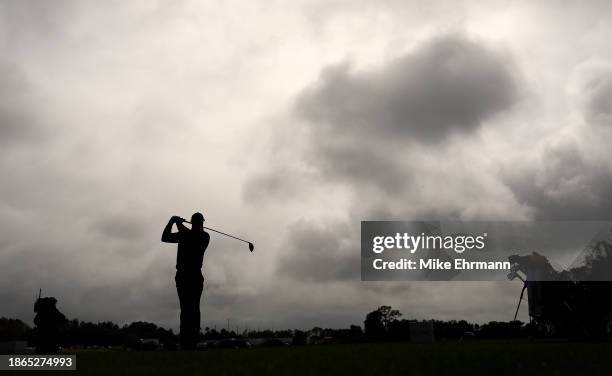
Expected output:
{"points": [[382, 324], [386, 324]]}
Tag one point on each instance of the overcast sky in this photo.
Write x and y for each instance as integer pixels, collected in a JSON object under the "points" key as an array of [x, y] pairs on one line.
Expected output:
{"points": [[286, 123]]}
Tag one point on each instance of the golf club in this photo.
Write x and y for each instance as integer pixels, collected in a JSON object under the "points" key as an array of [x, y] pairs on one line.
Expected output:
{"points": [[251, 245]]}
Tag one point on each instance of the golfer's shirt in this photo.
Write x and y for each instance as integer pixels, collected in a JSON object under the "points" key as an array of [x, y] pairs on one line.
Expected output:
{"points": [[191, 248]]}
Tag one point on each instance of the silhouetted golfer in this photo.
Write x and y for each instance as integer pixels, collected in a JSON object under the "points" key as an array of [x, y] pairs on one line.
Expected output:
{"points": [[189, 281]]}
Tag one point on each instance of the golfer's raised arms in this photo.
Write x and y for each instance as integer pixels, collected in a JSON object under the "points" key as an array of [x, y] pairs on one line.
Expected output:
{"points": [[168, 236]]}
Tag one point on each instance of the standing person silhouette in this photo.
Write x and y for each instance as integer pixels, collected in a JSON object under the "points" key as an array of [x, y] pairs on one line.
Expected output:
{"points": [[189, 280]]}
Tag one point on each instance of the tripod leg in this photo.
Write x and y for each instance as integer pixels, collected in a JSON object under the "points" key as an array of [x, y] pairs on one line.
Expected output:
{"points": [[520, 300]]}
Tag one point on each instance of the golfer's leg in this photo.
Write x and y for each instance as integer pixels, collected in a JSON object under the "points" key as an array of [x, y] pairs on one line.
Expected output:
{"points": [[180, 289], [195, 293], [198, 296], [192, 327], [188, 330]]}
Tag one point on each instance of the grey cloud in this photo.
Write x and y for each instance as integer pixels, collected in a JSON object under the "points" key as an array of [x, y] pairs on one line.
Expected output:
{"points": [[449, 84], [320, 253], [121, 227], [362, 163], [17, 108], [562, 184], [371, 129], [39, 17], [281, 183], [599, 100]]}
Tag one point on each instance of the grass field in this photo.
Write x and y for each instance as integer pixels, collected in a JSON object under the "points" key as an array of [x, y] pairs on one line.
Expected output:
{"points": [[446, 358]]}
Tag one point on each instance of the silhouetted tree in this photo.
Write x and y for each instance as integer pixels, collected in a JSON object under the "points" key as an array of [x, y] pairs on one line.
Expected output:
{"points": [[389, 315], [374, 326], [378, 322]]}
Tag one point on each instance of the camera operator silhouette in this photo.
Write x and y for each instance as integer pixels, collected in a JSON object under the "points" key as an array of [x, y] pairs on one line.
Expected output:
{"points": [[50, 323]]}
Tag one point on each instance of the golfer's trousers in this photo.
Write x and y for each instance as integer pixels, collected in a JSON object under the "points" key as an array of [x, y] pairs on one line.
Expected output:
{"points": [[189, 285]]}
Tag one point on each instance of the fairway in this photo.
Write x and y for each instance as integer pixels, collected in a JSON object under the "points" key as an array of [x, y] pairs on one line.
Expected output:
{"points": [[446, 358]]}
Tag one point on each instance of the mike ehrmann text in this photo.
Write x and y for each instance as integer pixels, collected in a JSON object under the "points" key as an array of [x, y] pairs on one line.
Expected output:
{"points": [[437, 264]]}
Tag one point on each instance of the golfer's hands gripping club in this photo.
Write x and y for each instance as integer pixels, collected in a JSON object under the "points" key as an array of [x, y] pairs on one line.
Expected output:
{"points": [[177, 219]]}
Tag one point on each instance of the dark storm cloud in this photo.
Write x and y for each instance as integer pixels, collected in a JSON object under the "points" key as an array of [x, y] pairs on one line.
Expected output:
{"points": [[362, 126], [449, 84], [320, 253], [562, 184]]}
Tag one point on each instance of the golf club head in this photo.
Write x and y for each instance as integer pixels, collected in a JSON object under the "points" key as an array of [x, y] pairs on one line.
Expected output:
{"points": [[251, 247]]}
